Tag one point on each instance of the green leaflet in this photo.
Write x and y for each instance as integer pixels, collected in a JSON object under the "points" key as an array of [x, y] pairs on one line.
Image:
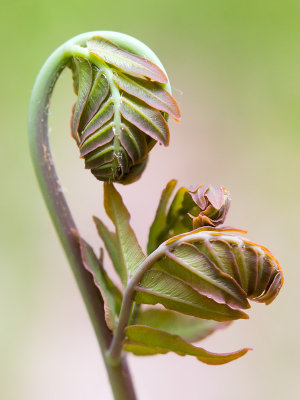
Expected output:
{"points": [[100, 158], [221, 254], [177, 219], [129, 249], [98, 139], [176, 205], [142, 340], [129, 62], [159, 287], [134, 143], [191, 265], [146, 119], [83, 70], [149, 92], [98, 93], [159, 222], [111, 245], [104, 115], [189, 328], [111, 295]]}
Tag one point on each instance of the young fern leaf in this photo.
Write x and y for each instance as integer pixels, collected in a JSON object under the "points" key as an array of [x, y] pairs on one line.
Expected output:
{"points": [[111, 244], [143, 340], [191, 329], [120, 114], [191, 265], [111, 295], [158, 287], [131, 63], [129, 248], [149, 92], [220, 257], [159, 222]]}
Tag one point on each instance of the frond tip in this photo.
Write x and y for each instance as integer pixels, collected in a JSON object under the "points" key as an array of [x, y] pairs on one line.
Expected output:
{"points": [[121, 111]]}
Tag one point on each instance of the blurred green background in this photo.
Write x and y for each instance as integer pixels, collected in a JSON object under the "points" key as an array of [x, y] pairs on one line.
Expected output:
{"points": [[234, 66]]}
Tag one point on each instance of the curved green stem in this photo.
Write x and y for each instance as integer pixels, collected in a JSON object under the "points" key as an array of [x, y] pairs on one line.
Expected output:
{"points": [[51, 189], [115, 350]]}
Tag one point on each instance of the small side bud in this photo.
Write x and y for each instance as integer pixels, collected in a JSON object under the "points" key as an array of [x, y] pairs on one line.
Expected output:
{"points": [[191, 208], [211, 205]]}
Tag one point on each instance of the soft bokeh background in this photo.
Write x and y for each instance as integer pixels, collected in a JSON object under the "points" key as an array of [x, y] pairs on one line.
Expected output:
{"points": [[234, 66]]}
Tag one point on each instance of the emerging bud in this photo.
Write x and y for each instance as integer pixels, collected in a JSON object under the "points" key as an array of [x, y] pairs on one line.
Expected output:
{"points": [[212, 204], [191, 208], [121, 111]]}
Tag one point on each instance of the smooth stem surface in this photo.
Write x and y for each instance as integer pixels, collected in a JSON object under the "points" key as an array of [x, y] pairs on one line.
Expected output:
{"points": [[119, 376], [115, 351]]}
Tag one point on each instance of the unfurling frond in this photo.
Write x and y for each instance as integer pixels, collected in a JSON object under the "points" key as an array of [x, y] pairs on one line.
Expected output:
{"points": [[121, 111]]}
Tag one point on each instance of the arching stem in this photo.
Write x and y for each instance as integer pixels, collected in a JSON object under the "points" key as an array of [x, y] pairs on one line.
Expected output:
{"points": [[119, 376]]}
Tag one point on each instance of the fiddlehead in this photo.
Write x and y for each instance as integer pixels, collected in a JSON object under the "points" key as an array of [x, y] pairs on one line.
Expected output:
{"points": [[121, 110]]}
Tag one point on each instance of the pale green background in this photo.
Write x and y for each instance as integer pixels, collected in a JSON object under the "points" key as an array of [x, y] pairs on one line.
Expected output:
{"points": [[234, 66]]}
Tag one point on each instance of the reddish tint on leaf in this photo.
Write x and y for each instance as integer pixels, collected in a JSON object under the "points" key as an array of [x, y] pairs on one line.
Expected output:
{"points": [[129, 62], [146, 119], [251, 265], [198, 206], [96, 123], [101, 157], [149, 92], [98, 139], [213, 203], [121, 111], [98, 93], [133, 142], [143, 340]]}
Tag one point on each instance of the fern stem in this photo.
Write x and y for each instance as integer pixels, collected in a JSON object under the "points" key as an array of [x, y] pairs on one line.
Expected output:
{"points": [[119, 376], [115, 350]]}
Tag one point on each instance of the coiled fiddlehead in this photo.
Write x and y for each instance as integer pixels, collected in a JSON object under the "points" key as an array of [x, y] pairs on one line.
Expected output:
{"points": [[121, 110], [225, 266]]}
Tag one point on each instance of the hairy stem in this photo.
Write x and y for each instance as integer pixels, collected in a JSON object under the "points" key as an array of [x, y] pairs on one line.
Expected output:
{"points": [[115, 350], [119, 376]]}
